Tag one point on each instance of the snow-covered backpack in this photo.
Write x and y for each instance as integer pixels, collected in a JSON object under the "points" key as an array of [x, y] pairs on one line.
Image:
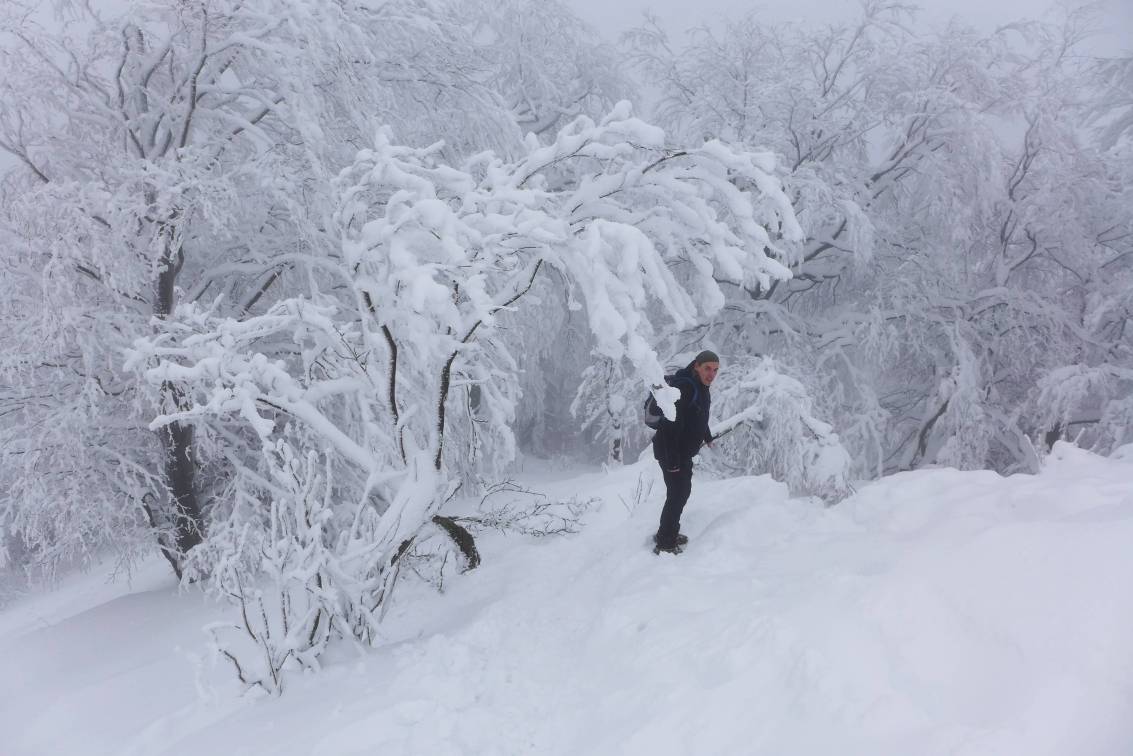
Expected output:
{"points": [[653, 415]]}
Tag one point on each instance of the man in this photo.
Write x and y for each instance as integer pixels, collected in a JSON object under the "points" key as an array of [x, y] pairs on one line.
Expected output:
{"points": [[678, 441]]}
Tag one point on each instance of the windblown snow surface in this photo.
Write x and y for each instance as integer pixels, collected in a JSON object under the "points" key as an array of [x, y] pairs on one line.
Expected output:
{"points": [[935, 612]]}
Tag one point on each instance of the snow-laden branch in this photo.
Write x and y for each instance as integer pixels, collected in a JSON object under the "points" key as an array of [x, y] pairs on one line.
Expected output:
{"points": [[770, 425]]}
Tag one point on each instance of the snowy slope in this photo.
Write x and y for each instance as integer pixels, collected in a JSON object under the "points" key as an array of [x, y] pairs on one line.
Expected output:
{"points": [[936, 612]]}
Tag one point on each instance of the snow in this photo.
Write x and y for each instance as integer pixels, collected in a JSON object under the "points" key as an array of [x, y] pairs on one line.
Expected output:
{"points": [[934, 612]]}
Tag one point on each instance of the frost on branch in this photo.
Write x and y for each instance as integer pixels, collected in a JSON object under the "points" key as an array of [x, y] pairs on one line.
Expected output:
{"points": [[770, 427], [294, 589], [601, 406], [1094, 404], [505, 507]]}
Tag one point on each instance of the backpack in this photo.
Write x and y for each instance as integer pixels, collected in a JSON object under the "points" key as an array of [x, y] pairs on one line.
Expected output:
{"points": [[652, 415]]}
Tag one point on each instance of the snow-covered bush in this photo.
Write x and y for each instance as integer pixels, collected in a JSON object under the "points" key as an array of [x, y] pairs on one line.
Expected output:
{"points": [[769, 426], [289, 570], [1094, 404]]}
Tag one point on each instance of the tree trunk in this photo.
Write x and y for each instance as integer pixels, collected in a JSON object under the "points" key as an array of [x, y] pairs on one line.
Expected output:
{"points": [[615, 457], [177, 438], [923, 436], [1051, 436], [180, 477]]}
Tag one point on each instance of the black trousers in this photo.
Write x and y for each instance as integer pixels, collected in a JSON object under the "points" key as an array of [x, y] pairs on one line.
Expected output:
{"points": [[678, 485]]}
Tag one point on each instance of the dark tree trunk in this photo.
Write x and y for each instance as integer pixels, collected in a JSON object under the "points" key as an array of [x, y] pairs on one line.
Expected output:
{"points": [[922, 437], [463, 540], [446, 379], [180, 477], [177, 438], [1052, 435]]}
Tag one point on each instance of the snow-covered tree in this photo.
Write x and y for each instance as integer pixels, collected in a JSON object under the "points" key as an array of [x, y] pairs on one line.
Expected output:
{"points": [[604, 405], [364, 367], [172, 153], [959, 227], [768, 424], [549, 66]]}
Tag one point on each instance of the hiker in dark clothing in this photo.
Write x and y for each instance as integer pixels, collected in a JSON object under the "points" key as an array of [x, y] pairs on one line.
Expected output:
{"points": [[678, 441]]}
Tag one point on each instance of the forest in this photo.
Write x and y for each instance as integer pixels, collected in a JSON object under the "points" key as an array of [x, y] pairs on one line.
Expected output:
{"points": [[281, 280]]}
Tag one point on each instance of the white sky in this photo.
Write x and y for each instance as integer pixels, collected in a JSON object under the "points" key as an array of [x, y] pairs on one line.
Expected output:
{"points": [[614, 16]]}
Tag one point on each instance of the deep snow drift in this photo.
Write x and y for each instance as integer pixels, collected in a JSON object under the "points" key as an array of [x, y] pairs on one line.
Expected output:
{"points": [[935, 612]]}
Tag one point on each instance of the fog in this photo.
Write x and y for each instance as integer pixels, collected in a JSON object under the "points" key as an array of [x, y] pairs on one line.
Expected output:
{"points": [[1114, 18]]}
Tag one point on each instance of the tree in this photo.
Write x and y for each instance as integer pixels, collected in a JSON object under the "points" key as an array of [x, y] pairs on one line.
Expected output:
{"points": [[956, 225], [548, 65], [176, 153], [603, 405], [769, 425], [361, 370]]}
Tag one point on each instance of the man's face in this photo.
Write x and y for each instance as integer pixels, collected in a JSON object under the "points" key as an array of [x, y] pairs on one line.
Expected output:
{"points": [[707, 371]]}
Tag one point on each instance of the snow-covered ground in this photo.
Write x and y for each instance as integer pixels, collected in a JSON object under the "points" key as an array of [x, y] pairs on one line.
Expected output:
{"points": [[935, 612]]}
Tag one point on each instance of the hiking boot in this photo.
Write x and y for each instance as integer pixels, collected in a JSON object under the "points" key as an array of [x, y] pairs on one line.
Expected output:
{"points": [[674, 549], [682, 539]]}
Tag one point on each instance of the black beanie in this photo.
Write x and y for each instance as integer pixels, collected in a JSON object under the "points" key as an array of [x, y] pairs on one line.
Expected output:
{"points": [[706, 356]]}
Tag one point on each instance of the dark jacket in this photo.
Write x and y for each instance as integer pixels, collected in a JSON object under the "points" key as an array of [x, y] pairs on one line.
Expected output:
{"points": [[678, 441]]}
